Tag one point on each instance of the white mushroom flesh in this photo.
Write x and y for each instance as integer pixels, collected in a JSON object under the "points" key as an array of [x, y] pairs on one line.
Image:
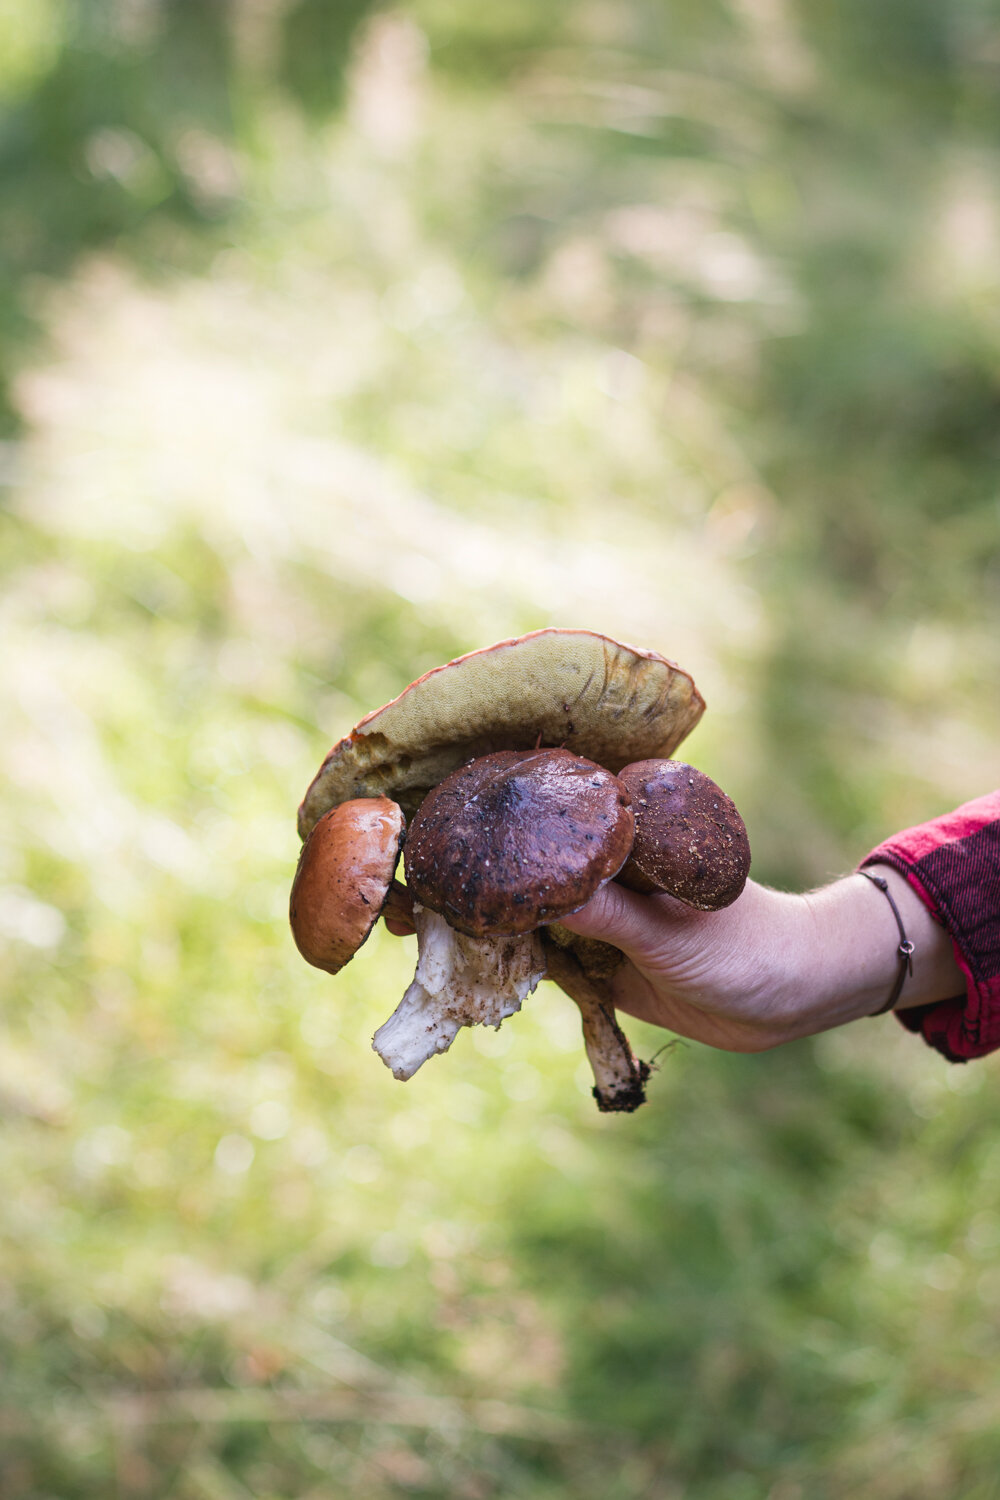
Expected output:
{"points": [[459, 981]]}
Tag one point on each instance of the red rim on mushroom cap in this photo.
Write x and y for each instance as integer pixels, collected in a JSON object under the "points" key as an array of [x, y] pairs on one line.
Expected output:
{"points": [[344, 874], [517, 839], [601, 699]]}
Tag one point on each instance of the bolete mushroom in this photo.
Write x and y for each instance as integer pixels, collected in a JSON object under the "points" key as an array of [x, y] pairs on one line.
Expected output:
{"points": [[343, 878], [690, 840], [592, 697], [517, 839], [506, 844]]}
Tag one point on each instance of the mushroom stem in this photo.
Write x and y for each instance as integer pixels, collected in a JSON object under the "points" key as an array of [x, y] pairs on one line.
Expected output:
{"points": [[414, 1032], [397, 909], [460, 981], [619, 1077]]}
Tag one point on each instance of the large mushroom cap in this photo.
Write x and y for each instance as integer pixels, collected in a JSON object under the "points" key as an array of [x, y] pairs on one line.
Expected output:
{"points": [[601, 699], [343, 878], [517, 839]]}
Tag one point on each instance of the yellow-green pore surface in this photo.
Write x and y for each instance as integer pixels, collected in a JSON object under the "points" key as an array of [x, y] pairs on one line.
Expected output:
{"points": [[609, 702]]}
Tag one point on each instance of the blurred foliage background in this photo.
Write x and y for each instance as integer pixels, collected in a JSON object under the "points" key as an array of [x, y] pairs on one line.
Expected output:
{"points": [[338, 339]]}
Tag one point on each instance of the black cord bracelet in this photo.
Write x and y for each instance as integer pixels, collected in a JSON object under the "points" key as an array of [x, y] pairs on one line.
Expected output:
{"points": [[905, 949]]}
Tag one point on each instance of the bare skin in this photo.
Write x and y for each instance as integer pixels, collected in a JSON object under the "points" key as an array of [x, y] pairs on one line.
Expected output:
{"points": [[770, 968], [773, 966]]}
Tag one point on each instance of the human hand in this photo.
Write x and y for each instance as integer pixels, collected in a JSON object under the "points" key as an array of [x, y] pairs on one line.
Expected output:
{"points": [[772, 966], [724, 977]]}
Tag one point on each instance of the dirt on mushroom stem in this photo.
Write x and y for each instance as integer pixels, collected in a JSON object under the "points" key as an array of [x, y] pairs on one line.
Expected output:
{"points": [[498, 849]]}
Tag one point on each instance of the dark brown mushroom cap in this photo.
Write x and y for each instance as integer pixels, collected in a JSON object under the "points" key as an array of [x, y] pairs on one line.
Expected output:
{"points": [[690, 840], [517, 839], [344, 874]]}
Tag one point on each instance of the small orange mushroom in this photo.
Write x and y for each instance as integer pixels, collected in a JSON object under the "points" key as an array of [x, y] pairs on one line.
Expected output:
{"points": [[344, 878]]}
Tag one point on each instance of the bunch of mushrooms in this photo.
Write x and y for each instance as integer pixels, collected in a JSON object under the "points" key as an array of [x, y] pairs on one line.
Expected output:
{"points": [[531, 772]]}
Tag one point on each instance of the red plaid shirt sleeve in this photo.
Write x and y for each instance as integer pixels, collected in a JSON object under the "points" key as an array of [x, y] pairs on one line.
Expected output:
{"points": [[953, 864]]}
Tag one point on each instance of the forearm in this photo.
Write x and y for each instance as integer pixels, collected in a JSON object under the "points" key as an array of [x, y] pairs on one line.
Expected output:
{"points": [[845, 961]]}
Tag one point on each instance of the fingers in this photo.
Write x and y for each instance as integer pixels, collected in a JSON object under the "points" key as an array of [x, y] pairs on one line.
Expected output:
{"points": [[631, 922], [634, 923]]}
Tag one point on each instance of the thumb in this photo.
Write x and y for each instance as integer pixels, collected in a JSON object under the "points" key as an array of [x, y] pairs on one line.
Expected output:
{"points": [[614, 915]]}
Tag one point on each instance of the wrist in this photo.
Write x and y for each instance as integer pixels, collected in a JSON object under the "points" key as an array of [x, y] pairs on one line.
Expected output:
{"points": [[935, 973], [843, 958], [788, 986], [828, 958], [847, 959]]}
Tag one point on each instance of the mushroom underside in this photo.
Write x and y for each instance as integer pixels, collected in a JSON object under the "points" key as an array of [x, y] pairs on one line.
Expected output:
{"points": [[601, 698]]}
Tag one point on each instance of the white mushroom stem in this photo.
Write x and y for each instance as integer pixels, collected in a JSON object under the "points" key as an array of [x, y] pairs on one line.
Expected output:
{"points": [[460, 981], [618, 1077]]}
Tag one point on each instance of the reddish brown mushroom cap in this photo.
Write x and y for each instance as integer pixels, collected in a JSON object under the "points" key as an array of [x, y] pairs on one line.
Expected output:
{"points": [[517, 839], [690, 840], [600, 698], [344, 874]]}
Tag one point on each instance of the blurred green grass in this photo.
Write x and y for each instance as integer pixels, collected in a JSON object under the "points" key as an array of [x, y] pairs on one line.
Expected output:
{"points": [[336, 343]]}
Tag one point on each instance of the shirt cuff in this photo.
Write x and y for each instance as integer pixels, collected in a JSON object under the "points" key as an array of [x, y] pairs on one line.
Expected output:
{"points": [[953, 864]]}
